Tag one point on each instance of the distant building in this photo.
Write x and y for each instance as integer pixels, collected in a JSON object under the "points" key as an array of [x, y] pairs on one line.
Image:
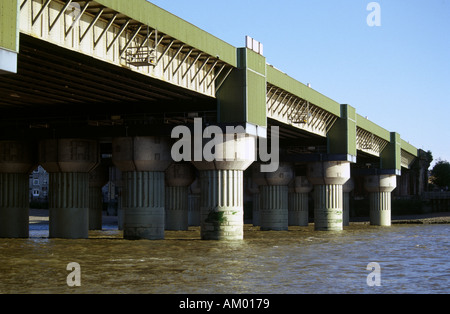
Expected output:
{"points": [[39, 185]]}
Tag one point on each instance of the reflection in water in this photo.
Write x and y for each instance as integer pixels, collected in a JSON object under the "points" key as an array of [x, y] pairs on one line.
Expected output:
{"points": [[413, 259]]}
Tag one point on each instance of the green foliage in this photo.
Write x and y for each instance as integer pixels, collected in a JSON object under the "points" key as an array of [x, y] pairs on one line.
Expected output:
{"points": [[440, 174]]}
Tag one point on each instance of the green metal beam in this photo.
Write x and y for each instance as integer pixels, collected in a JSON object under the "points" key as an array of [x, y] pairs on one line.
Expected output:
{"points": [[150, 14], [242, 97], [342, 136], [282, 80], [9, 35]]}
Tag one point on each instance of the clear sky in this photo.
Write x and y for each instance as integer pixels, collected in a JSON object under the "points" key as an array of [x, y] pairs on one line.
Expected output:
{"points": [[397, 74]]}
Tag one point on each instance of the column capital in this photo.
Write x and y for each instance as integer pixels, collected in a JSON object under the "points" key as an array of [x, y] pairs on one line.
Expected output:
{"points": [[328, 172], [380, 183]]}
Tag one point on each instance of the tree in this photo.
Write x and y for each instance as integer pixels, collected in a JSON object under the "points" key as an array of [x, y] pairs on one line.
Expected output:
{"points": [[440, 174]]}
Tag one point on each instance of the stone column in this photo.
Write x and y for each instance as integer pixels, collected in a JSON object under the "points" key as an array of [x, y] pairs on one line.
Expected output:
{"points": [[97, 179], [68, 162], [222, 195], [328, 178], [178, 178], [142, 161], [274, 196], [17, 160], [380, 188], [346, 189], [298, 201], [194, 203]]}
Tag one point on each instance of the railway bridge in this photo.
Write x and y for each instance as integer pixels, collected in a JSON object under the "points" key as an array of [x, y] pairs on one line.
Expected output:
{"points": [[91, 84]]}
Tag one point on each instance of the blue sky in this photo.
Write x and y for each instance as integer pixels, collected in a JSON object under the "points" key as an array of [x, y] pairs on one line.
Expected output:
{"points": [[396, 74]]}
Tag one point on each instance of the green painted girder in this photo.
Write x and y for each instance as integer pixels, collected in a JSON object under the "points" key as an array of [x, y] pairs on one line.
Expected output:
{"points": [[157, 18]]}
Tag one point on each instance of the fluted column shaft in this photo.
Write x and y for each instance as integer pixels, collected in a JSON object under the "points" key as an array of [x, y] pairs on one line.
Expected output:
{"points": [[298, 209], [177, 208], [14, 205], [222, 204], [274, 207], [143, 204], [328, 200], [68, 205], [380, 208]]}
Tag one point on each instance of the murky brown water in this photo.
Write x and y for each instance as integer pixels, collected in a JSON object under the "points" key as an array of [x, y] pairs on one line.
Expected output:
{"points": [[413, 259]]}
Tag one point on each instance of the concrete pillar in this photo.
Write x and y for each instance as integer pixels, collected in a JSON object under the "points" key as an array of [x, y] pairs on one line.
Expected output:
{"points": [[380, 188], [194, 215], [298, 201], [17, 160], [142, 161], [222, 185], [97, 179], [68, 162], [346, 189], [328, 178], [274, 196], [178, 178]]}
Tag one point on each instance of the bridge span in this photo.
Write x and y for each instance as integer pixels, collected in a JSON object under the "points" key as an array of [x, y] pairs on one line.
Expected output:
{"points": [[89, 88]]}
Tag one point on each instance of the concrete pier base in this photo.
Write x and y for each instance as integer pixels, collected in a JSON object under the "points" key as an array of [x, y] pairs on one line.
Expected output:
{"points": [[68, 162], [14, 205], [178, 178], [17, 160], [274, 207], [222, 205], [380, 188], [143, 205], [222, 188], [328, 207], [69, 205], [328, 178], [142, 161], [274, 196], [299, 202]]}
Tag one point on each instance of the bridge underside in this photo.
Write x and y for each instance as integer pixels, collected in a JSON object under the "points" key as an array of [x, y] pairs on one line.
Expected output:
{"points": [[56, 85]]}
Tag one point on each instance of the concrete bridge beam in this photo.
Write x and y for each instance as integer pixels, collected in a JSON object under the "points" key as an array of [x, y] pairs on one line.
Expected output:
{"points": [[68, 162], [328, 179], [298, 201], [179, 176], [380, 188], [142, 161], [222, 188], [17, 160], [274, 189]]}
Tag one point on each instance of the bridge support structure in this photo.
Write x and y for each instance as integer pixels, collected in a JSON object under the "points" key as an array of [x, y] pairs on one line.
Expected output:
{"points": [[380, 188], [222, 188], [298, 201], [179, 176], [328, 179], [142, 161], [16, 162], [68, 162], [274, 192]]}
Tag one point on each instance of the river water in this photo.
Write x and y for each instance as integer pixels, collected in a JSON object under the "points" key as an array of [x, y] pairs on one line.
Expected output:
{"points": [[412, 259]]}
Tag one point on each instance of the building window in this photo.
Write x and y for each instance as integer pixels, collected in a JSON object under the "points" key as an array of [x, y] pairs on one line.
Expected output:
{"points": [[35, 181], [35, 192]]}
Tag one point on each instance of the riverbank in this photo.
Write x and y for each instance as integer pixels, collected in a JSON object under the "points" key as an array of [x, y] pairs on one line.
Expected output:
{"points": [[41, 216]]}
